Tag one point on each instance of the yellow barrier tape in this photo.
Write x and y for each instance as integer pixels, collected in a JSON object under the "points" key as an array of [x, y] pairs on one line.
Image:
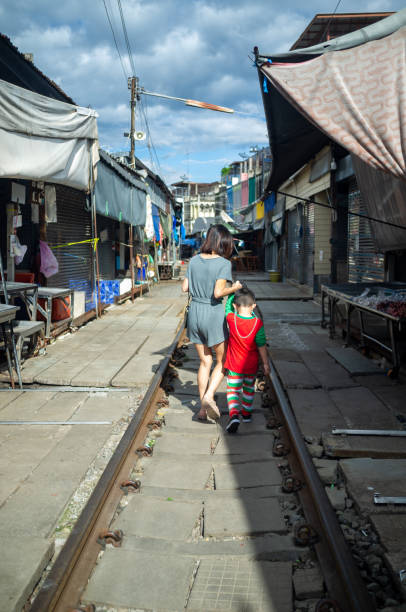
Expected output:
{"points": [[92, 240]]}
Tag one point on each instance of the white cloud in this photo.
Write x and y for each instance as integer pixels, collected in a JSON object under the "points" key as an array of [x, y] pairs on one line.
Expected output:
{"points": [[188, 48]]}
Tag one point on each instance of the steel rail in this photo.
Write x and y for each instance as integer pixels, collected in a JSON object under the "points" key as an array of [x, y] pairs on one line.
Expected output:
{"points": [[354, 596], [63, 586]]}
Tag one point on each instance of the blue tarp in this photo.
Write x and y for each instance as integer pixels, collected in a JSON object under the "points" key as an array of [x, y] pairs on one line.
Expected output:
{"points": [[270, 202], [155, 219]]}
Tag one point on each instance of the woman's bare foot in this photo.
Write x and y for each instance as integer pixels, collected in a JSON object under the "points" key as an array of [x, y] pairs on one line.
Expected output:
{"points": [[211, 408], [202, 415]]}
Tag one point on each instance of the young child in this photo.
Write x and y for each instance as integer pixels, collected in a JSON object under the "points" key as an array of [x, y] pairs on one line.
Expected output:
{"points": [[246, 343]]}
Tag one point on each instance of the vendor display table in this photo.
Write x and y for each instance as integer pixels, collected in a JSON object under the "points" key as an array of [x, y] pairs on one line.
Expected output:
{"points": [[28, 292], [348, 295], [7, 314], [48, 294]]}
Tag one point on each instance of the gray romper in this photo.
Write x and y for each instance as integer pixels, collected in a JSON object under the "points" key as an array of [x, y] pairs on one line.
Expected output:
{"points": [[206, 319]]}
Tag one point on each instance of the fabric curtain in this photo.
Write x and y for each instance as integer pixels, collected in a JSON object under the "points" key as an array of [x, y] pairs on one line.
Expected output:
{"points": [[47, 140], [356, 97]]}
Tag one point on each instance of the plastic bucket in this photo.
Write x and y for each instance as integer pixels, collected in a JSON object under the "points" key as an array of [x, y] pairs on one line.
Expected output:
{"points": [[274, 276]]}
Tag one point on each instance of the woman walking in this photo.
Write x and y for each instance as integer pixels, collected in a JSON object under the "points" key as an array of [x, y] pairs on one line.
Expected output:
{"points": [[206, 279]]}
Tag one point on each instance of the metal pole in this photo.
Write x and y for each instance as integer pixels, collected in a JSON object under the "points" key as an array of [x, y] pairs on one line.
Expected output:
{"points": [[132, 130], [96, 270], [131, 261]]}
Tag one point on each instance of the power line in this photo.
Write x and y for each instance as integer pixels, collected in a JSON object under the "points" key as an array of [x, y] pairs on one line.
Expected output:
{"points": [[127, 41], [329, 21], [353, 214], [115, 40]]}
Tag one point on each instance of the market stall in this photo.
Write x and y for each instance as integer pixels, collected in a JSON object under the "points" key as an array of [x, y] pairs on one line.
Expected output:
{"points": [[385, 301]]}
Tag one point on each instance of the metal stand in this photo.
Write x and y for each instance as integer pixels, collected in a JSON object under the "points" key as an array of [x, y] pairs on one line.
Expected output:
{"points": [[12, 338]]}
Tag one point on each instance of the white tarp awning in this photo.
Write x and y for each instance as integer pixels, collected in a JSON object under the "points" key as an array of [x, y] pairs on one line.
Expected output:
{"points": [[44, 139]]}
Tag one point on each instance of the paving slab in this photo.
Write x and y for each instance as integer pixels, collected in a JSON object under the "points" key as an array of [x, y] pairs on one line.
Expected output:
{"points": [[104, 406], [393, 397], [138, 371], [247, 475], [242, 586], [280, 354], [150, 582], [240, 517], [315, 411], [353, 361], [295, 375], [155, 518], [361, 409], [21, 565], [326, 370], [268, 547], [327, 470], [25, 407], [163, 473], [391, 529], [364, 477], [308, 583], [47, 493], [378, 447], [185, 444], [254, 493], [244, 444], [23, 448]]}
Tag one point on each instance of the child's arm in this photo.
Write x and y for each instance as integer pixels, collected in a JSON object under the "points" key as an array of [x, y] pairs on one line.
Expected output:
{"points": [[260, 340], [229, 304], [263, 353]]}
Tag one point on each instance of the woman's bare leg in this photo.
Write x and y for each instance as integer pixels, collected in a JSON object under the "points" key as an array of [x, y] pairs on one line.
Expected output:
{"points": [[218, 371], [203, 375]]}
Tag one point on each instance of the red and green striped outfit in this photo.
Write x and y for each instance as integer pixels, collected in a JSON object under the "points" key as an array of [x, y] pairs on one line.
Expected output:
{"points": [[246, 334]]}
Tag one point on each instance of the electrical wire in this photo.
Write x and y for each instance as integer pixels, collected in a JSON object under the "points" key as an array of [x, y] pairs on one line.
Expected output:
{"points": [[127, 41], [142, 104], [115, 40], [329, 21], [333, 208]]}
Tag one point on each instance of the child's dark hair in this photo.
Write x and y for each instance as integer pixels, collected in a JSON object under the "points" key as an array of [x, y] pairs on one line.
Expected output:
{"points": [[244, 297]]}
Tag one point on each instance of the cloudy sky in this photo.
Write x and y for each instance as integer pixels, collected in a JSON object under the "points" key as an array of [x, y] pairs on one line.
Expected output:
{"points": [[184, 48]]}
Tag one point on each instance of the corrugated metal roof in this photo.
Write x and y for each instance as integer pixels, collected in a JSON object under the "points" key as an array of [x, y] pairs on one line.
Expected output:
{"points": [[17, 69]]}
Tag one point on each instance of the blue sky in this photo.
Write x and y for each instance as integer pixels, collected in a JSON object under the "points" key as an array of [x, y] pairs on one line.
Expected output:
{"points": [[185, 48]]}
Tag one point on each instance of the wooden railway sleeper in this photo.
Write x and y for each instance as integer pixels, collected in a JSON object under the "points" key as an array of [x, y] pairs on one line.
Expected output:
{"points": [[110, 537], [130, 486]]}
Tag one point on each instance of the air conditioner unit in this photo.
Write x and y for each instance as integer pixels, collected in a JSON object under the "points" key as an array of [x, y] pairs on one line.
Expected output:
{"points": [[139, 135]]}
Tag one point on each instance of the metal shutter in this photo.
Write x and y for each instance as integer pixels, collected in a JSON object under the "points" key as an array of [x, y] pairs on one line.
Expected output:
{"points": [[73, 225], [308, 245], [365, 265], [294, 240]]}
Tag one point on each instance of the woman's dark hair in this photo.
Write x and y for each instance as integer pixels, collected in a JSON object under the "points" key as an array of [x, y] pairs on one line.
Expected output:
{"points": [[218, 240]]}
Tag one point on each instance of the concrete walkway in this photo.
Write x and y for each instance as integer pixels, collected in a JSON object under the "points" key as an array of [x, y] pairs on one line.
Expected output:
{"points": [[48, 471], [329, 386], [207, 532]]}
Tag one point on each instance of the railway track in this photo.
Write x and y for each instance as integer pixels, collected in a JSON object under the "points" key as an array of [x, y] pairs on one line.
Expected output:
{"points": [[63, 587]]}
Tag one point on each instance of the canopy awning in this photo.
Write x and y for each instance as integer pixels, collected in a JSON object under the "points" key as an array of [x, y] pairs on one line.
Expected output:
{"points": [[347, 90], [118, 194], [43, 139]]}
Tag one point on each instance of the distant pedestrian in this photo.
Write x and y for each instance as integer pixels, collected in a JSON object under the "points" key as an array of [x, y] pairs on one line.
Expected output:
{"points": [[247, 342], [206, 280]]}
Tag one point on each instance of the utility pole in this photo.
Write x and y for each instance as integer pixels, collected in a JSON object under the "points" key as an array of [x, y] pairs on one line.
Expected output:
{"points": [[131, 86]]}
